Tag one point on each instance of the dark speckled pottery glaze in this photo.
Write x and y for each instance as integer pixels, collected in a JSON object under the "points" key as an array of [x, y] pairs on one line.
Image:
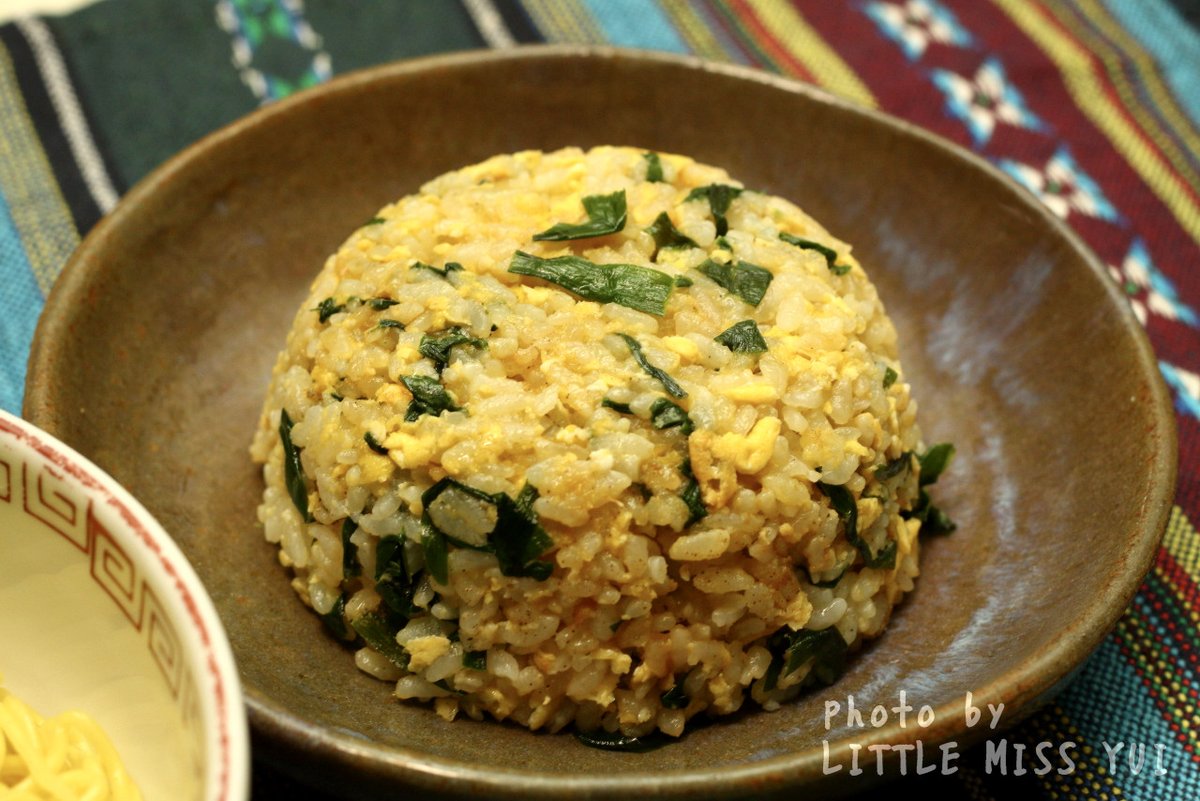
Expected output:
{"points": [[156, 345]]}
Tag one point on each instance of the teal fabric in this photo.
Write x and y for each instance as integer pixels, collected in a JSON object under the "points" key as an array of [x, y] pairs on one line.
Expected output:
{"points": [[20, 304]]}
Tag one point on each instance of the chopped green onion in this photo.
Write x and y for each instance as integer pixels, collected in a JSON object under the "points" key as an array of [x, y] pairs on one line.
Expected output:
{"points": [[895, 467], [606, 215], [475, 660], [374, 444], [377, 633], [379, 304], [350, 566], [675, 698], [437, 551], [743, 337], [668, 383], [390, 324], [437, 347], [683, 281], [654, 170], [517, 538], [791, 649], [429, 397], [748, 281], [666, 235], [847, 509], [327, 308], [392, 580], [723, 243], [828, 583], [829, 254], [375, 221], [934, 461], [620, 408], [335, 619], [889, 377], [444, 272], [293, 471], [691, 494], [629, 285], [665, 414], [719, 196]]}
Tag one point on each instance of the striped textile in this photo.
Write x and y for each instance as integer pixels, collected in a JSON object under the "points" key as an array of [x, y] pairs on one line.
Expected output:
{"points": [[1092, 105]]}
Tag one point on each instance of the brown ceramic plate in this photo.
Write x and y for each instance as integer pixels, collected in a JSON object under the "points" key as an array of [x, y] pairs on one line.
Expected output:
{"points": [[155, 347]]}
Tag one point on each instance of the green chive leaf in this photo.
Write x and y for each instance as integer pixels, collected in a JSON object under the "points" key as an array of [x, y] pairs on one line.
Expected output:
{"points": [[675, 698], [691, 494], [668, 383], [666, 235], [437, 347], [437, 551], [895, 467], [350, 566], [654, 170], [327, 308], [379, 304], [743, 337], [444, 272], [829, 254], [380, 635], [791, 650], [629, 285], [620, 408], [719, 196], [374, 444], [606, 215], [934, 461], [429, 397], [665, 414], [335, 619], [293, 471], [847, 510], [748, 281]]}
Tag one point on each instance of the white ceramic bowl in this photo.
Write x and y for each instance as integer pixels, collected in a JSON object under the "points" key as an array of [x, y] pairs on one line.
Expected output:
{"points": [[100, 612]]}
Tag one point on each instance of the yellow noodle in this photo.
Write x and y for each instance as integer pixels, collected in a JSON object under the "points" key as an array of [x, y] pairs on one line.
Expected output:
{"points": [[63, 758]]}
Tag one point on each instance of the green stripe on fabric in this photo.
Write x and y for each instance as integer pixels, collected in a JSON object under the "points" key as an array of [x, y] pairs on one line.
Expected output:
{"points": [[636, 23], [564, 21], [360, 35], [21, 302], [40, 216], [1174, 44], [155, 76]]}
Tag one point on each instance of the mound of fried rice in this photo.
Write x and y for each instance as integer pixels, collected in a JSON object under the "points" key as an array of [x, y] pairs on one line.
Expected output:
{"points": [[485, 480]]}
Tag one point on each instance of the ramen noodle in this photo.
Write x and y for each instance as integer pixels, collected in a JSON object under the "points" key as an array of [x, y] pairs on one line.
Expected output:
{"points": [[65, 757]]}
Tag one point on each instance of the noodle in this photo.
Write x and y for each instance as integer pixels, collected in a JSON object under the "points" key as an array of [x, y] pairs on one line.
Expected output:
{"points": [[64, 758]]}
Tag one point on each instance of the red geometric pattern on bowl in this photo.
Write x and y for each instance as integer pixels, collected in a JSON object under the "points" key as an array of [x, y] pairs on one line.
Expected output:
{"points": [[49, 500], [68, 512]]}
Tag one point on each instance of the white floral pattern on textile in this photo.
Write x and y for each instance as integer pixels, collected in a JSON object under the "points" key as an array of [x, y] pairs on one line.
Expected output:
{"points": [[1149, 290], [251, 24], [1186, 386], [914, 24], [1063, 186], [979, 102]]}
